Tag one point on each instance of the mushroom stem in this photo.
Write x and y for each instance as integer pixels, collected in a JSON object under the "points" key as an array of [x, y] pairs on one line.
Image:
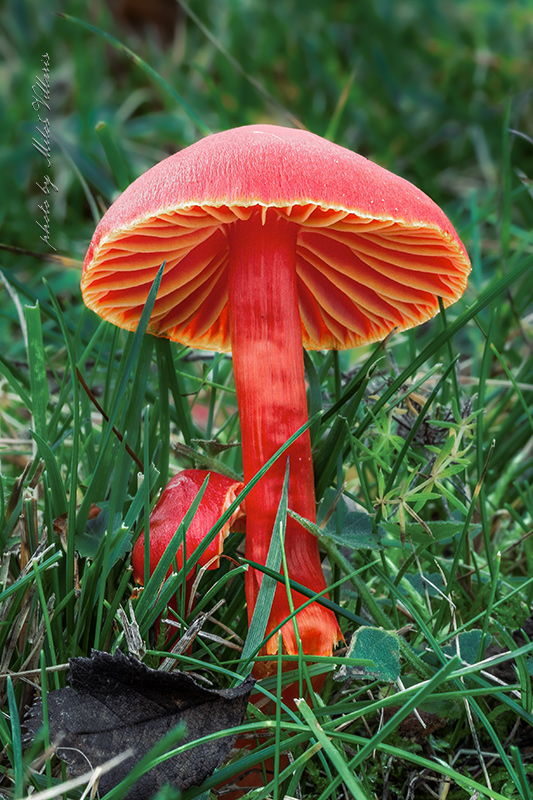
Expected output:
{"points": [[269, 376]]}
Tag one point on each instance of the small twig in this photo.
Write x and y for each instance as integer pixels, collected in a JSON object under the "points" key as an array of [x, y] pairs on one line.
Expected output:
{"points": [[63, 261], [189, 636], [25, 673], [101, 411], [385, 792], [228, 630], [219, 640], [201, 572], [132, 633]]}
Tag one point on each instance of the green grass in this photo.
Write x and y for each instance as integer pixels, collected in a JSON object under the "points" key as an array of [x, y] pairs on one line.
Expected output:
{"points": [[422, 447]]}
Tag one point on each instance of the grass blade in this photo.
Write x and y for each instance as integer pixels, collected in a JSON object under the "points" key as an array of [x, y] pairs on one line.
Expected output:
{"points": [[256, 631], [37, 365], [344, 771], [16, 742]]}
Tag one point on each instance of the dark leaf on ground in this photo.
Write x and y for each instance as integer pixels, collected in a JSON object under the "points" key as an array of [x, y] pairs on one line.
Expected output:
{"points": [[115, 703]]}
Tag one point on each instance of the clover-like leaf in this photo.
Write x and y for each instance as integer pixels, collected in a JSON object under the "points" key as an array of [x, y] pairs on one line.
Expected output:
{"points": [[381, 646], [347, 524], [468, 645], [89, 541]]}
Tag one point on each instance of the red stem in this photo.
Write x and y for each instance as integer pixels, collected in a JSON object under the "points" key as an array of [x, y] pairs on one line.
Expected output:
{"points": [[270, 381]]}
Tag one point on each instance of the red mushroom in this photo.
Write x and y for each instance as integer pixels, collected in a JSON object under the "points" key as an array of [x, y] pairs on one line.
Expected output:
{"points": [[174, 502], [170, 509], [274, 238]]}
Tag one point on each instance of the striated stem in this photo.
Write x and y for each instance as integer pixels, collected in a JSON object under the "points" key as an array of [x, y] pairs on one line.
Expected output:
{"points": [[269, 376]]}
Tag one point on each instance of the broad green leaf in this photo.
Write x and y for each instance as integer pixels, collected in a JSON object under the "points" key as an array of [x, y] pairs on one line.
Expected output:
{"points": [[382, 646], [439, 530], [433, 584], [88, 542], [348, 525], [468, 646]]}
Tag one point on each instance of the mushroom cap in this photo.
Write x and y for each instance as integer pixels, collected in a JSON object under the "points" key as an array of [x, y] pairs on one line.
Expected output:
{"points": [[373, 252], [170, 509]]}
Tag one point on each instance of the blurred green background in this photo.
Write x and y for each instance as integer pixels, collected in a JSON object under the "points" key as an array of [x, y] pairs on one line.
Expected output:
{"points": [[424, 88]]}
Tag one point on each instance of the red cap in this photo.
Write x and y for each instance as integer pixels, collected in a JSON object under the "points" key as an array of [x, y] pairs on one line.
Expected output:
{"points": [[174, 502], [373, 251]]}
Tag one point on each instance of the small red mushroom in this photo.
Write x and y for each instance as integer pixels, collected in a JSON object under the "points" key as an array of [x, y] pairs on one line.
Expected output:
{"points": [[169, 511], [275, 238]]}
